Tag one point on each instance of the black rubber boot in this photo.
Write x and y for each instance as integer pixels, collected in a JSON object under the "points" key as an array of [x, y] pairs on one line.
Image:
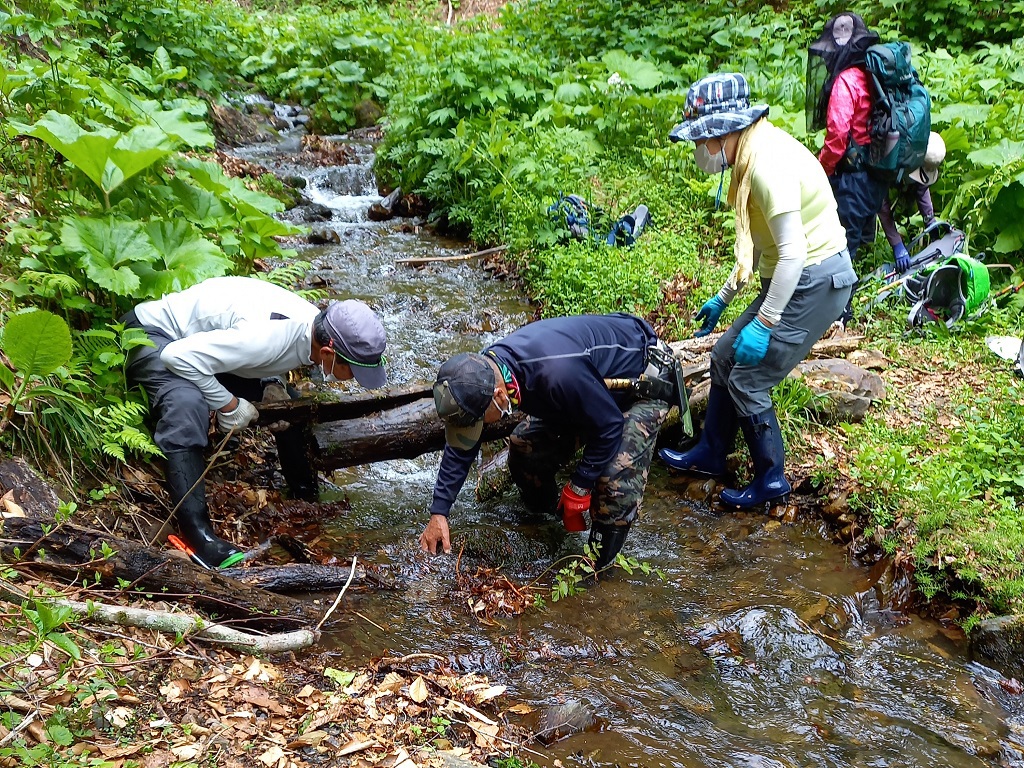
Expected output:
{"points": [[184, 468], [769, 486], [607, 539], [717, 438], [293, 452]]}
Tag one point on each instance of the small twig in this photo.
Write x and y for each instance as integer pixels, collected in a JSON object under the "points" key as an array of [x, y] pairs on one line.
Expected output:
{"points": [[29, 719], [364, 618], [403, 659], [351, 573]]}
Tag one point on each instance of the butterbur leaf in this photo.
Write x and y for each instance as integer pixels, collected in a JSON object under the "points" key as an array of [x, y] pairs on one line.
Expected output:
{"points": [[181, 129], [640, 74], [997, 155], [185, 258], [108, 248], [37, 343], [88, 151], [134, 152]]}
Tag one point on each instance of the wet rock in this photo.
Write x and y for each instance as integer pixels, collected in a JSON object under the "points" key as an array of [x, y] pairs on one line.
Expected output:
{"points": [[700, 490], [295, 181], [367, 113], [849, 390], [234, 128], [308, 212], [385, 209], [496, 547], [785, 651], [323, 236], [563, 720], [1000, 642]]}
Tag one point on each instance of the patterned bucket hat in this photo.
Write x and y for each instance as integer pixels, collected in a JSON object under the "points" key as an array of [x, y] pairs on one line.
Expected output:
{"points": [[717, 105]]}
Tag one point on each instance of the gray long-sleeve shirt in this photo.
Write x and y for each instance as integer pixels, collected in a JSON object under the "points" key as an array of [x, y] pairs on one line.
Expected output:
{"points": [[239, 325]]}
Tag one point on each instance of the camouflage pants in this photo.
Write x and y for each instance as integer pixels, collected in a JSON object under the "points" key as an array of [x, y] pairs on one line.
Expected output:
{"points": [[538, 449]]}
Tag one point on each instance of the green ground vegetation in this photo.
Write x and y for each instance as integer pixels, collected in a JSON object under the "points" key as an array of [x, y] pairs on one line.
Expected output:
{"points": [[109, 200]]}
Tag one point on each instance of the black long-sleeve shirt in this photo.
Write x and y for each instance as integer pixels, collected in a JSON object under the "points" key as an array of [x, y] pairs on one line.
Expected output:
{"points": [[560, 365]]}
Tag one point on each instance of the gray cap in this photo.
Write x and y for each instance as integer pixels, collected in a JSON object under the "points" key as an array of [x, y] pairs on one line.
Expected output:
{"points": [[357, 336]]}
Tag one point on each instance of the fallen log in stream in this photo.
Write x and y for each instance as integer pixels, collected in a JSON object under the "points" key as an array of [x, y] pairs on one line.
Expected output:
{"points": [[400, 423]]}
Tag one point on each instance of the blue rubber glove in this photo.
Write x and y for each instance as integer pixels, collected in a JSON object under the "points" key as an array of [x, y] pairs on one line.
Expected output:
{"points": [[902, 257], [709, 313], [751, 345]]}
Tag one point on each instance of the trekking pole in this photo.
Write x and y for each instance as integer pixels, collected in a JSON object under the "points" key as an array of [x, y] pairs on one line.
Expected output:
{"points": [[1008, 289]]}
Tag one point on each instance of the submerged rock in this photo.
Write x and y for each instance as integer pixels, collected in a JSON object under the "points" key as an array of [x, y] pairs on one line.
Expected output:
{"points": [[561, 720], [1000, 642]]}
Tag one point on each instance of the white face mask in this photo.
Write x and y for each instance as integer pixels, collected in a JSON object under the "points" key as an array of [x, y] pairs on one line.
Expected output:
{"points": [[504, 413], [330, 378], [710, 163]]}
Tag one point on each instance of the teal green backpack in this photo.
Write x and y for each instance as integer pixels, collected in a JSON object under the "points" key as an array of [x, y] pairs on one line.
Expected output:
{"points": [[901, 113]]}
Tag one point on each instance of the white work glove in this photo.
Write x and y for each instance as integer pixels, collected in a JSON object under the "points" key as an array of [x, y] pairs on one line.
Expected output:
{"points": [[238, 419]]}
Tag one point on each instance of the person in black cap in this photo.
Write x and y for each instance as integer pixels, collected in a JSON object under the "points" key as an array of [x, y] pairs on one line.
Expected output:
{"points": [[555, 371], [227, 341]]}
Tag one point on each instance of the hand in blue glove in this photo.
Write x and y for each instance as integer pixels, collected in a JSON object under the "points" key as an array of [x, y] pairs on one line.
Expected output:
{"points": [[902, 257], [709, 313], [751, 345]]}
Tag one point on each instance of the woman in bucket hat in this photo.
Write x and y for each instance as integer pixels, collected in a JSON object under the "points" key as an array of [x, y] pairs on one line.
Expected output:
{"points": [[788, 230]]}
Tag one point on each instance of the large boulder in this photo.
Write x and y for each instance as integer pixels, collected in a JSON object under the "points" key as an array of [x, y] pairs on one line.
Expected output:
{"points": [[848, 390]]}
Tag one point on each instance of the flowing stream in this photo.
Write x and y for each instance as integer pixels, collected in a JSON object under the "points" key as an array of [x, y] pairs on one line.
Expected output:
{"points": [[763, 645]]}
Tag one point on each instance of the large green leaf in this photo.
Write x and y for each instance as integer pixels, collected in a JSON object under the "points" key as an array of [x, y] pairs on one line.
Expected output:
{"points": [[211, 177], [199, 206], [176, 123], [1005, 219], [107, 157], [88, 151], [134, 152], [185, 259], [640, 74], [37, 343], [108, 248], [998, 155]]}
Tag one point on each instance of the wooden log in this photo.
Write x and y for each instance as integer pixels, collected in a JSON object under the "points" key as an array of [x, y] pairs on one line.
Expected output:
{"points": [[35, 496], [304, 577], [78, 551], [400, 433], [190, 626], [419, 260], [315, 410]]}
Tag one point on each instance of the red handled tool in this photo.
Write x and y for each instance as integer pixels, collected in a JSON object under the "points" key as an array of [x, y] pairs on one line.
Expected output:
{"points": [[178, 543]]}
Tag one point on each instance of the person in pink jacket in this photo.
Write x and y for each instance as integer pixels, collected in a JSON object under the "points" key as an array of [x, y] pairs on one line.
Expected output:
{"points": [[839, 99]]}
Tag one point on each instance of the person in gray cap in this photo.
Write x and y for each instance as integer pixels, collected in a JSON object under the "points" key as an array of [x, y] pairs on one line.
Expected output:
{"points": [[223, 343], [787, 228], [563, 374]]}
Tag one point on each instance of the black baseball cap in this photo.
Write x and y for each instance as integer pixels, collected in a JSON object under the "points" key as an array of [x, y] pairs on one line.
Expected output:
{"points": [[462, 393]]}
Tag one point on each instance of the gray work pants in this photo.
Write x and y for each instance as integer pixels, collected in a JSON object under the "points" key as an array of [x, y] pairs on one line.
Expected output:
{"points": [[820, 297]]}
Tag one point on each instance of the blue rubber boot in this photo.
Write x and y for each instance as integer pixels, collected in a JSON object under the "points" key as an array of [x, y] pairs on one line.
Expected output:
{"points": [[769, 485], [717, 438]]}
